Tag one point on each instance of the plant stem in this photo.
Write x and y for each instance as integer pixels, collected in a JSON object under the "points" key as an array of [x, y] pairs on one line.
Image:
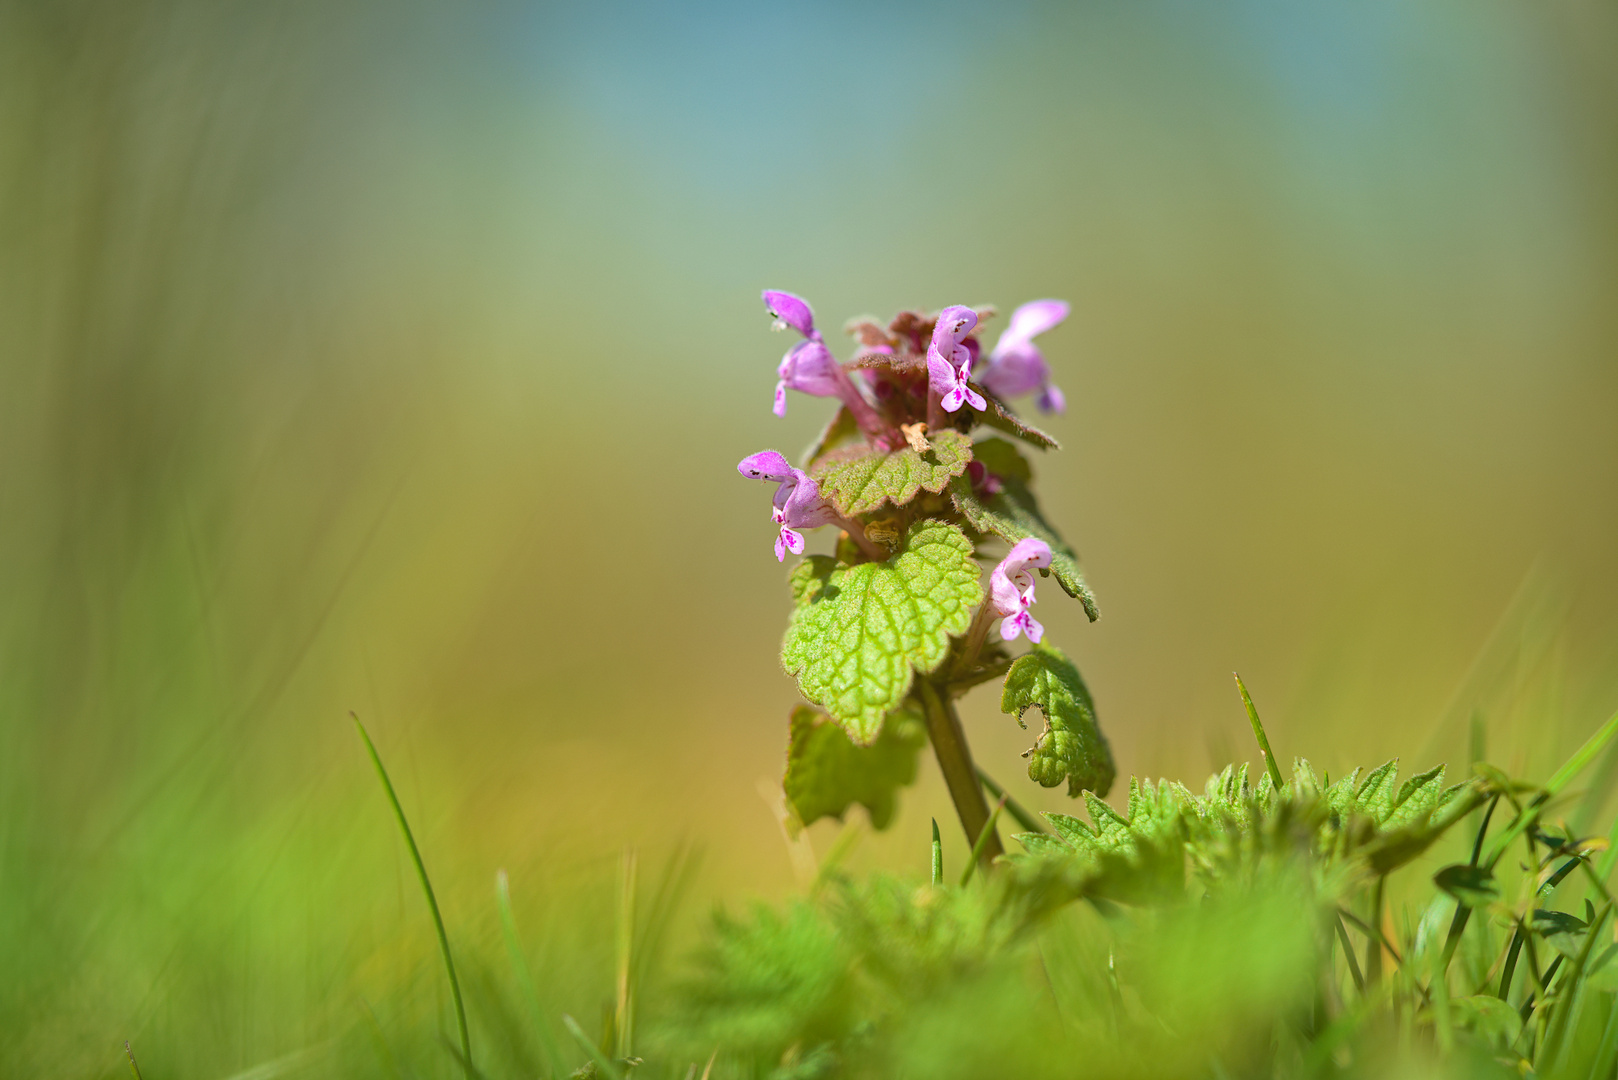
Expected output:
{"points": [[955, 762], [1013, 807], [975, 637]]}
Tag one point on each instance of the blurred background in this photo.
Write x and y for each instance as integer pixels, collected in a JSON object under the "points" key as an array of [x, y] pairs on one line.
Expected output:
{"points": [[396, 358]]}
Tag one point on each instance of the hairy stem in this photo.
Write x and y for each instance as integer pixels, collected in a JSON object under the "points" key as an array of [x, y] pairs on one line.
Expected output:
{"points": [[975, 637], [955, 762], [856, 532]]}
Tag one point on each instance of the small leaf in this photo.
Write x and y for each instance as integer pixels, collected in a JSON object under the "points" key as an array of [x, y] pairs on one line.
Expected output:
{"points": [[1040, 843], [1013, 514], [1473, 886], [858, 633], [859, 480], [826, 772], [1493, 1021], [1417, 796], [1003, 419], [1071, 745], [1559, 929], [1374, 796]]}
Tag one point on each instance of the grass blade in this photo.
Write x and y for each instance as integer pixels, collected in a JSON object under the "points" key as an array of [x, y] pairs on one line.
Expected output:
{"points": [[983, 841], [427, 889], [624, 1014], [938, 856], [607, 1067], [1263, 740], [525, 977]]}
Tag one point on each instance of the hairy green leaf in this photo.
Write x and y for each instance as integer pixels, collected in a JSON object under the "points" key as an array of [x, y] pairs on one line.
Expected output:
{"points": [[858, 633], [1013, 514], [1003, 419], [826, 772], [860, 480], [1071, 746]]}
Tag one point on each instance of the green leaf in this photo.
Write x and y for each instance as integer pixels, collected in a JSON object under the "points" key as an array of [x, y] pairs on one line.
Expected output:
{"points": [[1559, 929], [1374, 797], [1071, 745], [1490, 1019], [1003, 419], [859, 480], [826, 772], [858, 633], [1418, 796], [1473, 886], [1013, 514]]}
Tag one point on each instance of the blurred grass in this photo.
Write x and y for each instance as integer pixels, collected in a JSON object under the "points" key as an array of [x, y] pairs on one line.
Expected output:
{"points": [[394, 358]]}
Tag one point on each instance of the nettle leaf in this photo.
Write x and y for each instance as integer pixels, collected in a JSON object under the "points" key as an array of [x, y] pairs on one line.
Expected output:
{"points": [[1013, 515], [859, 633], [1071, 745], [1003, 419], [859, 480], [826, 772]]}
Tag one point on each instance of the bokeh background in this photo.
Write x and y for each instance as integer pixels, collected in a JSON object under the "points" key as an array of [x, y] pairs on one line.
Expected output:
{"points": [[395, 358]]}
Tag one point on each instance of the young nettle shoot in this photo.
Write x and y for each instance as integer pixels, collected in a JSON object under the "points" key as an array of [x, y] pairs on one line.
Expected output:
{"points": [[893, 625]]}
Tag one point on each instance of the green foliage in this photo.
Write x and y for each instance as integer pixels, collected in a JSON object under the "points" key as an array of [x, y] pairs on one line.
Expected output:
{"points": [[1167, 830], [826, 772], [1071, 747], [860, 480], [1014, 514], [1003, 419], [859, 633], [1213, 943]]}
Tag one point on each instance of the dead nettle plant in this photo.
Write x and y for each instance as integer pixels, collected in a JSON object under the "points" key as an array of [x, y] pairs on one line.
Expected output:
{"points": [[922, 469]]}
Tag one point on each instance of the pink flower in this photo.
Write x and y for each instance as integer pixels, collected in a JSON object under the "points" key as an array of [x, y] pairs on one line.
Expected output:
{"points": [[949, 332], [1016, 366], [950, 384], [1011, 588], [809, 367], [793, 311], [797, 503]]}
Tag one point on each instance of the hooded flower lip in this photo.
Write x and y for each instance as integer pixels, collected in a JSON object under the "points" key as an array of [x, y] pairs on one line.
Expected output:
{"points": [[1011, 588], [797, 503], [793, 311], [954, 324], [1016, 366]]}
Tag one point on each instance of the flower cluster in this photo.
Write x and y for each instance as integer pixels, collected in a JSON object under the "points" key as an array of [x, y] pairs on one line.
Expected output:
{"points": [[914, 375]]}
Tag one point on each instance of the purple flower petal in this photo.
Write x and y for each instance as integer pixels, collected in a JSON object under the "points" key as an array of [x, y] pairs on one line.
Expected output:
{"points": [[790, 310], [1011, 587], [1032, 319], [810, 368], [765, 465], [954, 323]]}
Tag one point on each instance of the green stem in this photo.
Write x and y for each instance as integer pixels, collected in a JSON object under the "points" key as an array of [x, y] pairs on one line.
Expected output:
{"points": [[432, 901], [955, 762], [1017, 810], [938, 855], [130, 1054], [983, 838]]}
